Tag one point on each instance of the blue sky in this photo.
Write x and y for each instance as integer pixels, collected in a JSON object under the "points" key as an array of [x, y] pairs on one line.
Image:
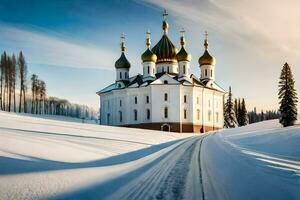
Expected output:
{"points": [[73, 45]]}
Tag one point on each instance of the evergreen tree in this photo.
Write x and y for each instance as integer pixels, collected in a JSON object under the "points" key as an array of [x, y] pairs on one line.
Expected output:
{"points": [[243, 113], [229, 115], [287, 97], [22, 75], [236, 105]]}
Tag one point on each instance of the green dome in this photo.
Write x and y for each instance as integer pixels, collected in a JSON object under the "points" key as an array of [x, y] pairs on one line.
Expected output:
{"points": [[207, 59], [183, 55], [165, 50], [122, 62], [149, 56]]}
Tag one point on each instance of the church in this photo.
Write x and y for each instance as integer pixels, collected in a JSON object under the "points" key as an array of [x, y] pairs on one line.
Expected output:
{"points": [[166, 96]]}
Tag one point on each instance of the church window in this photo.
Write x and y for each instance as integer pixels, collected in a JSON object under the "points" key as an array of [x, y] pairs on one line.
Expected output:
{"points": [[120, 116], [217, 117], [165, 82], [197, 100], [184, 113], [211, 72], [135, 100], [148, 114], [166, 112], [166, 97], [108, 119], [168, 69], [126, 75], [120, 103], [135, 115], [163, 69], [198, 114], [147, 99], [120, 75], [209, 115], [205, 72], [184, 99], [184, 69], [148, 70]]}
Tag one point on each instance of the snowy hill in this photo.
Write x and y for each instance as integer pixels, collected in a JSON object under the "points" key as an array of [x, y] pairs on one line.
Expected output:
{"points": [[51, 159]]}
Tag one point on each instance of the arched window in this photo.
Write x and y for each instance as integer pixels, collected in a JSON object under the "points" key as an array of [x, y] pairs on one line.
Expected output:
{"points": [[120, 116], [198, 114], [120, 75], [120, 103], [166, 112], [184, 69], [211, 72], [165, 82], [147, 99], [184, 99], [217, 117], [135, 100], [209, 115], [168, 69], [184, 113], [205, 72], [148, 114], [166, 97], [126, 75], [135, 115], [148, 70]]}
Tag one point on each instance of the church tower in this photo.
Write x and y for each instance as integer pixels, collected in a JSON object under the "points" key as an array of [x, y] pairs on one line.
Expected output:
{"points": [[183, 58], [207, 63], [149, 59], [122, 65]]}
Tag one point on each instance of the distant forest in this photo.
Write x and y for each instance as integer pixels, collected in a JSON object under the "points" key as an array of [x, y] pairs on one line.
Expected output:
{"points": [[20, 94]]}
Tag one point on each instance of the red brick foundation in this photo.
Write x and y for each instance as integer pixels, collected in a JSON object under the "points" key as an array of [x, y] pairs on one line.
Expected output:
{"points": [[174, 127]]}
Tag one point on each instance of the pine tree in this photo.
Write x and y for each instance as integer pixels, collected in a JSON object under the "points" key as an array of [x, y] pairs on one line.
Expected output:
{"points": [[236, 105], [243, 114], [229, 115], [287, 97], [22, 75]]}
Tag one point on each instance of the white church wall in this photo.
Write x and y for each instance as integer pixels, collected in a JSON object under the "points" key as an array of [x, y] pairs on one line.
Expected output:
{"points": [[167, 67]]}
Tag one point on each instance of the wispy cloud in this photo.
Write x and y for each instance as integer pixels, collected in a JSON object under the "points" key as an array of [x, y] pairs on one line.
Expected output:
{"points": [[40, 48]]}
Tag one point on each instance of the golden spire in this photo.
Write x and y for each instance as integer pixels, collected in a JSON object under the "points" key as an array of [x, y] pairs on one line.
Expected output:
{"points": [[122, 42], [165, 25], [182, 38], [206, 40], [148, 40]]}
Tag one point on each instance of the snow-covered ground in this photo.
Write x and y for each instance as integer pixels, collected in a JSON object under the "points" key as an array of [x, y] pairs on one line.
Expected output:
{"points": [[51, 159], [259, 161]]}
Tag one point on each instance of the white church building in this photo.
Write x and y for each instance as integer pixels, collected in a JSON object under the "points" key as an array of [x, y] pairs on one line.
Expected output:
{"points": [[166, 96]]}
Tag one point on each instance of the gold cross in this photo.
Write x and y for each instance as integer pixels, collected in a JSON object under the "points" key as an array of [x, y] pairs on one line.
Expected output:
{"points": [[182, 31]]}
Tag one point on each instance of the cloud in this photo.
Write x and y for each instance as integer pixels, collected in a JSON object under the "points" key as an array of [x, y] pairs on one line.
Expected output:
{"points": [[40, 48]]}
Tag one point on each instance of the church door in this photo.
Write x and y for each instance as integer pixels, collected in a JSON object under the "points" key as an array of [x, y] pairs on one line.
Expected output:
{"points": [[165, 127]]}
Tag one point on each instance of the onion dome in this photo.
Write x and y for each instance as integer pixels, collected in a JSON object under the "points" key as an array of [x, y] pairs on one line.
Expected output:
{"points": [[148, 55], [122, 62], [206, 58], [183, 55], [165, 49]]}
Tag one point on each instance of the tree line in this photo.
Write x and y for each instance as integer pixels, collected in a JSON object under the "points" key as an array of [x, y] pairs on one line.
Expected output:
{"points": [[15, 95], [235, 113]]}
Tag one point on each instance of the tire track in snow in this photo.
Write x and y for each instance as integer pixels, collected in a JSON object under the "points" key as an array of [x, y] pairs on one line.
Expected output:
{"points": [[177, 176]]}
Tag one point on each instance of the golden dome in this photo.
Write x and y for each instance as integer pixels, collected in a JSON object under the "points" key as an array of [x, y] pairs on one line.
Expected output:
{"points": [[148, 55], [122, 62], [206, 58], [183, 55]]}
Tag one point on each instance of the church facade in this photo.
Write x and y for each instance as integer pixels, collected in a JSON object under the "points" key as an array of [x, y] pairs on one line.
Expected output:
{"points": [[166, 96]]}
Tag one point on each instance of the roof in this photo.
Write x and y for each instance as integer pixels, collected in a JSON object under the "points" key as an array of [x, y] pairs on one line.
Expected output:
{"points": [[139, 81]]}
